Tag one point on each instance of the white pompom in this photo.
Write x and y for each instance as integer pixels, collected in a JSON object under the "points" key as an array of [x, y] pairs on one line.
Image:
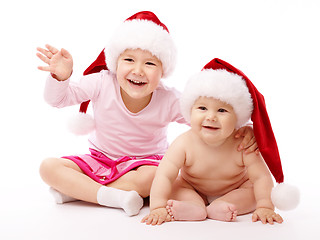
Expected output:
{"points": [[285, 197], [81, 124]]}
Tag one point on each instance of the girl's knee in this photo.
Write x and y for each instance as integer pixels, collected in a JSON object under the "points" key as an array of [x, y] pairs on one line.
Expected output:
{"points": [[51, 166], [46, 164], [47, 167]]}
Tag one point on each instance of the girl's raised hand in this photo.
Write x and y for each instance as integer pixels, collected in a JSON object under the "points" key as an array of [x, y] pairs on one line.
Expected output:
{"points": [[60, 63]]}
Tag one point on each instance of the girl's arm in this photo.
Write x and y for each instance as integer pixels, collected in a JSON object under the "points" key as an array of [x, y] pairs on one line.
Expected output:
{"points": [[67, 93], [248, 143], [59, 90]]}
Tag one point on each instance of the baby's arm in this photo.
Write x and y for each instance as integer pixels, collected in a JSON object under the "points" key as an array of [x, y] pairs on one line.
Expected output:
{"points": [[260, 176], [166, 174], [60, 63]]}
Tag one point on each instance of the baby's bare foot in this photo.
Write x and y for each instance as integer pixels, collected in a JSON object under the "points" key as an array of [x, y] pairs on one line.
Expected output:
{"points": [[222, 211], [185, 211]]}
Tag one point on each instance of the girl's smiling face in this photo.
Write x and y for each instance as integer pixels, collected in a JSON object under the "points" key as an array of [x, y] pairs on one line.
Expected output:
{"points": [[138, 74]]}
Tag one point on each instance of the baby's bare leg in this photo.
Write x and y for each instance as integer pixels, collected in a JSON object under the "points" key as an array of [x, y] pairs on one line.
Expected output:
{"points": [[186, 204], [186, 211], [222, 211], [237, 202]]}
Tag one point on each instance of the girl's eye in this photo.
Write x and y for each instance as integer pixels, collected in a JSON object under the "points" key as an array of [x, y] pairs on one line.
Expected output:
{"points": [[222, 110], [202, 108], [150, 63], [128, 59]]}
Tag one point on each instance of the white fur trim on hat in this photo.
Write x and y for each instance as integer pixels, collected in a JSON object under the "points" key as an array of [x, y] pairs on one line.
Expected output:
{"points": [[145, 35], [81, 124], [285, 197], [220, 84]]}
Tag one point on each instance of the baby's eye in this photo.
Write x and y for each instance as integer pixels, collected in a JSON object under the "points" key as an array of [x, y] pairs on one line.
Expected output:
{"points": [[202, 108], [222, 110], [151, 63], [128, 59]]}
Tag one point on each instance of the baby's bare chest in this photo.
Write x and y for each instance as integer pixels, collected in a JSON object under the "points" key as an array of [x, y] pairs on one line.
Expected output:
{"points": [[220, 168], [213, 167]]}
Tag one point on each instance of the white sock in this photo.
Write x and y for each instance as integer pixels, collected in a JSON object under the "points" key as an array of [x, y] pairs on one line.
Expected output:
{"points": [[60, 197], [129, 201]]}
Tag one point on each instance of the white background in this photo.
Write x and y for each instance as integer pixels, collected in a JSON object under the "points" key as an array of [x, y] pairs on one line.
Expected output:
{"points": [[275, 43]]}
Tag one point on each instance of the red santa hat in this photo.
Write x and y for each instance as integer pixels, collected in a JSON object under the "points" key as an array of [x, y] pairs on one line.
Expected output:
{"points": [[142, 30], [220, 80]]}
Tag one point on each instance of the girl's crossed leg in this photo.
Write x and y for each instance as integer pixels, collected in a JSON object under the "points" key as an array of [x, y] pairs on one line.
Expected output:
{"points": [[126, 192]]}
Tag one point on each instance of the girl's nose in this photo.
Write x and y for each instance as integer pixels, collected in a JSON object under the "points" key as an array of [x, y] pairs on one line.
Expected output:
{"points": [[137, 70]]}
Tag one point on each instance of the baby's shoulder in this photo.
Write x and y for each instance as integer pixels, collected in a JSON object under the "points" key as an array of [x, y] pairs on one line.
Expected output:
{"points": [[182, 139], [182, 142]]}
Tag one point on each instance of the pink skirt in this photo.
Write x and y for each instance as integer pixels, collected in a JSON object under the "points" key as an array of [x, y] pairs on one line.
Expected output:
{"points": [[105, 170]]}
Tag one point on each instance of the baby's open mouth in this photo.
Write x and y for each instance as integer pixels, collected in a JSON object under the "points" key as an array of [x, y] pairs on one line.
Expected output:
{"points": [[135, 82], [210, 127]]}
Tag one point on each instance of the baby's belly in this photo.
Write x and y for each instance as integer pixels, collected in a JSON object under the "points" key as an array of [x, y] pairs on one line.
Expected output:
{"points": [[215, 186]]}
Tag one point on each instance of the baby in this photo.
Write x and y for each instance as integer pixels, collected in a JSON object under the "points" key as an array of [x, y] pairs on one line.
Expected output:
{"points": [[216, 181]]}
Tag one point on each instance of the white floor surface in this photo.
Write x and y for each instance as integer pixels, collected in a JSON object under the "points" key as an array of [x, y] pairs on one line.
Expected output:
{"points": [[30, 213]]}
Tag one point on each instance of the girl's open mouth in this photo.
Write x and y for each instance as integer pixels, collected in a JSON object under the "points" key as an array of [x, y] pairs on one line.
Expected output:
{"points": [[137, 83]]}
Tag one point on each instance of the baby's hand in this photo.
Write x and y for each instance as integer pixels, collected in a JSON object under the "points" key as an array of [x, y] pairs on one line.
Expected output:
{"points": [[157, 217], [266, 215], [60, 63]]}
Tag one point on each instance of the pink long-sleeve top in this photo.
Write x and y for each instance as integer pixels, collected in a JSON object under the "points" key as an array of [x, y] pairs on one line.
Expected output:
{"points": [[119, 132]]}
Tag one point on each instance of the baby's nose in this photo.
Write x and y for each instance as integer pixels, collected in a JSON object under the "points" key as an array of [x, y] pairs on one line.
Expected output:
{"points": [[211, 116]]}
